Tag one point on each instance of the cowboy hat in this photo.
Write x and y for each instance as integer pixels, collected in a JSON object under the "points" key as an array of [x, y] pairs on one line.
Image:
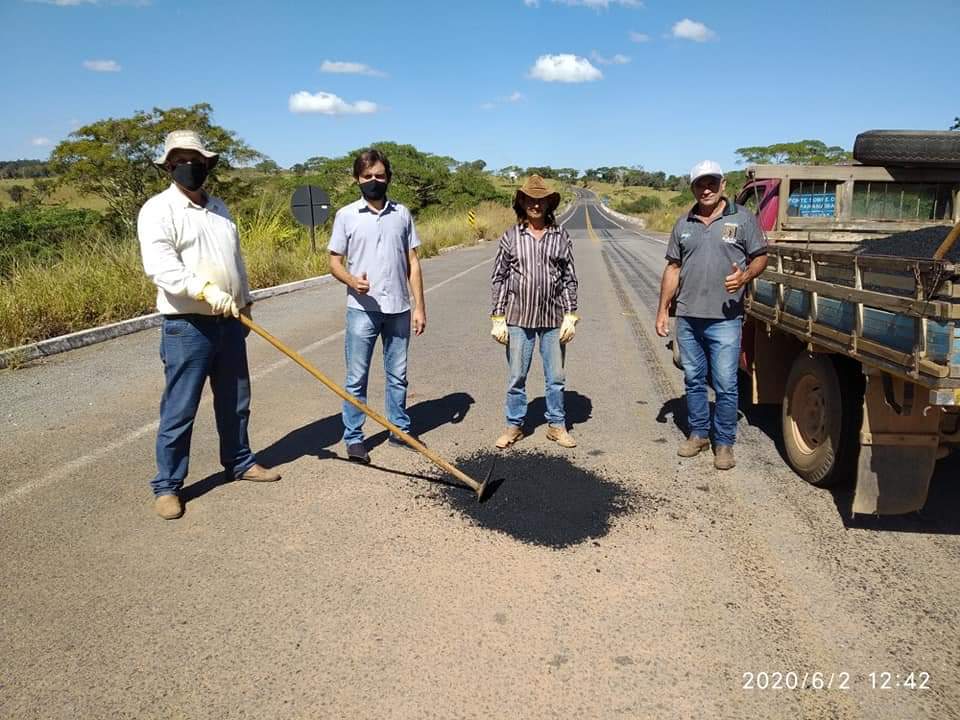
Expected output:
{"points": [[535, 187], [185, 140]]}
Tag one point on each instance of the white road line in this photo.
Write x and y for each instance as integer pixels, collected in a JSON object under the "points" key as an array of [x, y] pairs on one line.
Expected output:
{"points": [[631, 230], [73, 466]]}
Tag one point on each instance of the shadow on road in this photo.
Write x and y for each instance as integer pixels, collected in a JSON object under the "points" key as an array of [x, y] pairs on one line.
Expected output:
{"points": [[577, 409], [940, 514], [429, 415], [315, 439]]}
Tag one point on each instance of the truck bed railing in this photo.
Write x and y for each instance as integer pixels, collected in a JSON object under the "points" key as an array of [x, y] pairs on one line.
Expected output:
{"points": [[898, 314]]}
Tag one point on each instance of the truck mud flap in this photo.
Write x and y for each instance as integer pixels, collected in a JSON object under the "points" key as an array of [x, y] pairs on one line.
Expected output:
{"points": [[898, 448], [892, 480]]}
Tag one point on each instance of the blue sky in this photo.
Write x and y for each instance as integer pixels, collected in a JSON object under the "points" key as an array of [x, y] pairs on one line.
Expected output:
{"points": [[509, 81]]}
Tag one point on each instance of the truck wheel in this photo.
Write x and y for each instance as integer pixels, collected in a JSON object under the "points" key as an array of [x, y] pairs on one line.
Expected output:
{"points": [[908, 147], [812, 419]]}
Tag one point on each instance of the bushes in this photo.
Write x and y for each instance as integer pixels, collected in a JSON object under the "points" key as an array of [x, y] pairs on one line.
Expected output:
{"points": [[40, 232], [644, 204]]}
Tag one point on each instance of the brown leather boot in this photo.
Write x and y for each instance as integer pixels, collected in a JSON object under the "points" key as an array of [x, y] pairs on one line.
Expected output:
{"points": [[509, 436], [257, 473], [560, 436], [168, 507], [723, 458], [692, 446]]}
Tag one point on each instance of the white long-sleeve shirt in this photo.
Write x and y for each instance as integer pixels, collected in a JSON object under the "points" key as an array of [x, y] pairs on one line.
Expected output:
{"points": [[184, 246]]}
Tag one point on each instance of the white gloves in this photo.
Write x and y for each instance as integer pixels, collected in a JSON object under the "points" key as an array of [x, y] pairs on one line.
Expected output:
{"points": [[499, 329], [569, 328], [222, 303]]}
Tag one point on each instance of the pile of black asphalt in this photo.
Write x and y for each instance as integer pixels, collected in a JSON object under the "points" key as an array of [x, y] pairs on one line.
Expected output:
{"points": [[540, 499]]}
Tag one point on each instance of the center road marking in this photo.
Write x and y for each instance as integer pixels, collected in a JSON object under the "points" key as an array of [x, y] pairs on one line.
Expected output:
{"points": [[64, 471], [590, 232]]}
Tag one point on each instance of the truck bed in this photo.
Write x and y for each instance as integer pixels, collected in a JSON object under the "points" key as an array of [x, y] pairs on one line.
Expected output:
{"points": [[898, 314]]}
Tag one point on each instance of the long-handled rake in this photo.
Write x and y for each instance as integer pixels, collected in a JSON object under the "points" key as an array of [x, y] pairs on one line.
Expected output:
{"points": [[480, 488]]}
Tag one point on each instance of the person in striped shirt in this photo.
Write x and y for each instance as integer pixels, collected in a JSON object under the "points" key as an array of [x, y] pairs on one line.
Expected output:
{"points": [[534, 298]]}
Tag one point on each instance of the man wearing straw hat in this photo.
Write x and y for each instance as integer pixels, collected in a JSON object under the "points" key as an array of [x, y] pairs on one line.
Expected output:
{"points": [[191, 252], [534, 298]]}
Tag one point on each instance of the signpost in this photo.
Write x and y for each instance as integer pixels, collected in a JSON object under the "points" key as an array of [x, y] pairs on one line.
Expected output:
{"points": [[472, 219], [311, 207]]}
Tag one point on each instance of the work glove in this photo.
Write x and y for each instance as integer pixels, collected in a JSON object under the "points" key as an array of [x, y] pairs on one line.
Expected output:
{"points": [[499, 329], [220, 302], [569, 328]]}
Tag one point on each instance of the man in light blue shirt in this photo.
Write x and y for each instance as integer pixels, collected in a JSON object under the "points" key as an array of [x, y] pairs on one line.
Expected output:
{"points": [[377, 237]]}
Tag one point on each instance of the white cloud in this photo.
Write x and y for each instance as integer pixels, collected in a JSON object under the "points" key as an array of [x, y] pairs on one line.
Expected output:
{"points": [[639, 37], [102, 65], [328, 104], [349, 68], [531, 3], [40, 141], [488, 106], [617, 59], [564, 68], [601, 4], [515, 96], [688, 29]]}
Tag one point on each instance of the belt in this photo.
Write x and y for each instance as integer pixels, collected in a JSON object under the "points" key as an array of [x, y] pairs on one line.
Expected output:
{"points": [[199, 317]]}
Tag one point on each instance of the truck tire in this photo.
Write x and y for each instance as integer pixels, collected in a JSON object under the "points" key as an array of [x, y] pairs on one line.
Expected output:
{"points": [[922, 148], [820, 422]]}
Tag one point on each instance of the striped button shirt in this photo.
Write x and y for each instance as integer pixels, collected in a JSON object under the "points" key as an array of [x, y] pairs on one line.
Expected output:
{"points": [[534, 282]]}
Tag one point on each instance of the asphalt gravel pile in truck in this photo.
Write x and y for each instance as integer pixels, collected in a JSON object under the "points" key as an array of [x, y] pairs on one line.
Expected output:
{"points": [[921, 243]]}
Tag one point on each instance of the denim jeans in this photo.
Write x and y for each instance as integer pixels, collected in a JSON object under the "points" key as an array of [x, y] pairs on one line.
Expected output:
{"points": [[192, 349], [717, 342], [520, 347], [363, 329]]}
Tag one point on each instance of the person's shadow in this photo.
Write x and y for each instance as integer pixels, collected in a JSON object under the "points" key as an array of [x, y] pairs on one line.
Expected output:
{"points": [[316, 438], [577, 409]]}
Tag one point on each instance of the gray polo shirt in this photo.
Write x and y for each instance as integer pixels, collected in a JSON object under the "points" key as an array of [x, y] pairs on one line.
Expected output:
{"points": [[377, 244], [706, 254]]}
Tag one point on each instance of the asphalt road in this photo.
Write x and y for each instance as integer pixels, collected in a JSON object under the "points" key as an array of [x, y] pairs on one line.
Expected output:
{"points": [[613, 580]]}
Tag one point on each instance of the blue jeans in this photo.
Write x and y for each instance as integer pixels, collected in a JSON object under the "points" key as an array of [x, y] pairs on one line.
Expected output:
{"points": [[519, 354], [192, 349], [716, 342], [363, 329]]}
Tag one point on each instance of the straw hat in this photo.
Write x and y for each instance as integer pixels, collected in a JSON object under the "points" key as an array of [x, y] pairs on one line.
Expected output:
{"points": [[535, 187], [185, 140]]}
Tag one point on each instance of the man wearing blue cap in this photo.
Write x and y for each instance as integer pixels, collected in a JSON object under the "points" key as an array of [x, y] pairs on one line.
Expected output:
{"points": [[715, 249]]}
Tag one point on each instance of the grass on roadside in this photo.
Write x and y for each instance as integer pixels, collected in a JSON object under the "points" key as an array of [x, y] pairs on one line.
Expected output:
{"points": [[100, 279]]}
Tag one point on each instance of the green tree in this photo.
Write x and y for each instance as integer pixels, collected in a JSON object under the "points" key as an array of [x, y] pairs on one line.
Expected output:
{"points": [[267, 166], [113, 158], [803, 152]]}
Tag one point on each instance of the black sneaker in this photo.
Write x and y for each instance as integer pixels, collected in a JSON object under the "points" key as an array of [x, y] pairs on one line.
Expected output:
{"points": [[358, 453]]}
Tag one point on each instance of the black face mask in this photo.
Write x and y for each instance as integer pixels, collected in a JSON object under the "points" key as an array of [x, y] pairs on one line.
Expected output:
{"points": [[190, 175], [373, 190]]}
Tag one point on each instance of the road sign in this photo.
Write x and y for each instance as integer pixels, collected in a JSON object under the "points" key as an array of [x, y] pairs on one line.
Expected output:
{"points": [[311, 207], [472, 219]]}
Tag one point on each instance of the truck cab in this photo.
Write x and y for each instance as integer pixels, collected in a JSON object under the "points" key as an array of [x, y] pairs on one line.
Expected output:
{"points": [[839, 204]]}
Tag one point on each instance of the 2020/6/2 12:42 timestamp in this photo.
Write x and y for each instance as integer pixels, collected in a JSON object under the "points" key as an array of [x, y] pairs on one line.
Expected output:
{"points": [[885, 680]]}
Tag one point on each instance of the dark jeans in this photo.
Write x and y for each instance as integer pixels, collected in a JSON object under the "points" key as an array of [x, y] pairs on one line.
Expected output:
{"points": [[194, 348], [714, 343]]}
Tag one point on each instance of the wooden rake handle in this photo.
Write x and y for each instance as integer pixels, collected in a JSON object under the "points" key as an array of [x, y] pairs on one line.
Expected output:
{"points": [[947, 243], [411, 441]]}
